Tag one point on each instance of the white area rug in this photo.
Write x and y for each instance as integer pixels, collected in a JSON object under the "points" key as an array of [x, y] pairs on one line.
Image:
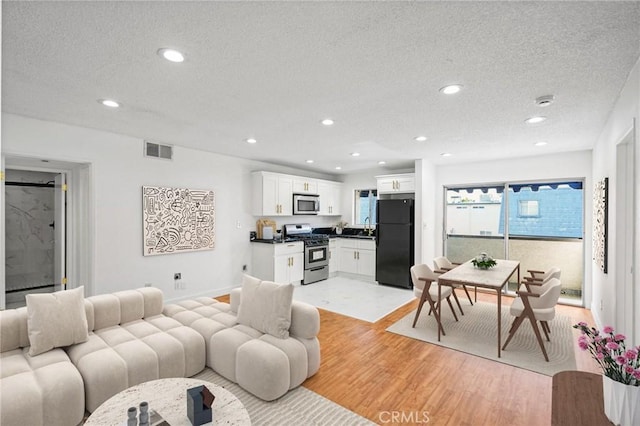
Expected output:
{"points": [[476, 334], [357, 299], [297, 407]]}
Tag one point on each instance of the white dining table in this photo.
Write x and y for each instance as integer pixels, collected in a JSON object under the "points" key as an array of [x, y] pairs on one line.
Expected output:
{"points": [[494, 278]]}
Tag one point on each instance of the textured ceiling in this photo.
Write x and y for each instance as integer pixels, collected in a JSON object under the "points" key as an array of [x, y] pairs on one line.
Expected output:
{"points": [[273, 70]]}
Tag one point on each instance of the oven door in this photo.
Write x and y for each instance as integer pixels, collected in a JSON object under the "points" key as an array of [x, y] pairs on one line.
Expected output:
{"points": [[316, 256]]}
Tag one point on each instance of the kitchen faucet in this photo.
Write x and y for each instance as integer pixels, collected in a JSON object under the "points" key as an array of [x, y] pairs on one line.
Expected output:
{"points": [[367, 228]]}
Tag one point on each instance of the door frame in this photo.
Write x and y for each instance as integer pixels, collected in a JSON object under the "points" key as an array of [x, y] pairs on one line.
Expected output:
{"points": [[80, 224], [625, 231]]}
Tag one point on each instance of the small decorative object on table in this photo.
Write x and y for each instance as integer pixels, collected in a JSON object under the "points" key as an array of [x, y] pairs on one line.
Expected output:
{"points": [[132, 416], [621, 368], [199, 402], [483, 261], [144, 413], [340, 226]]}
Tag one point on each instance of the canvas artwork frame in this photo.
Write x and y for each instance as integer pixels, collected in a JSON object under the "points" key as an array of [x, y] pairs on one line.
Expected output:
{"points": [[600, 223], [177, 220]]}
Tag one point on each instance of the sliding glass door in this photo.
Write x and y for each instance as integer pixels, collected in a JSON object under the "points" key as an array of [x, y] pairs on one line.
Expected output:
{"points": [[473, 219], [540, 224]]}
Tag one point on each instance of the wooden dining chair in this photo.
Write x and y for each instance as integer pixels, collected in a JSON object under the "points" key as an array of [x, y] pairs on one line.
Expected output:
{"points": [[442, 264], [535, 307], [425, 288], [536, 276]]}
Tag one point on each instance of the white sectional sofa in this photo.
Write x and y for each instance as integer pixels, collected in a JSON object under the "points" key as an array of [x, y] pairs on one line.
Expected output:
{"points": [[51, 375], [265, 365], [35, 388]]}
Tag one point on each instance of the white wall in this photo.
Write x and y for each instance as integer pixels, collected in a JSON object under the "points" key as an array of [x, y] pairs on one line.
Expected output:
{"points": [[426, 223], [572, 165], [118, 172], [606, 287]]}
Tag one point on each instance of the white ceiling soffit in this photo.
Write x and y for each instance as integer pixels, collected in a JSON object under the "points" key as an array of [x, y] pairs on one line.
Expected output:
{"points": [[273, 70]]}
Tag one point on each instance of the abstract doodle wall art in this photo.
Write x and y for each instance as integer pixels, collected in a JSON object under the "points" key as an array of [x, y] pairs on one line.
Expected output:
{"points": [[600, 223], [177, 220]]}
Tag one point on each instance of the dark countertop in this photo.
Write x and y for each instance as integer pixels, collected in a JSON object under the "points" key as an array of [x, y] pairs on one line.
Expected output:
{"points": [[287, 240], [357, 237]]}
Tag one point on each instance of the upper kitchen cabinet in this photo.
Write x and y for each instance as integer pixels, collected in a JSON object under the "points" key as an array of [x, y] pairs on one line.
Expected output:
{"points": [[391, 184], [305, 186], [330, 194], [272, 194]]}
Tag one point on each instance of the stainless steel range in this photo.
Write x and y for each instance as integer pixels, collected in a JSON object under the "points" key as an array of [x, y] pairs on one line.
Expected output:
{"points": [[316, 251]]}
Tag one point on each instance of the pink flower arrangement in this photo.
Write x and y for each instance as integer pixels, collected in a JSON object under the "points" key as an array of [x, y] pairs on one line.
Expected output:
{"points": [[609, 351]]}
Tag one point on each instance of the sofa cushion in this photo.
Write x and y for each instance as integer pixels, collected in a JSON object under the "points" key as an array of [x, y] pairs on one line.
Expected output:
{"points": [[266, 306], [33, 389], [56, 319]]}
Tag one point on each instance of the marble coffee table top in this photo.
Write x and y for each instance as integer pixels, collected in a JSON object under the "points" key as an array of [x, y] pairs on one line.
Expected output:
{"points": [[169, 398]]}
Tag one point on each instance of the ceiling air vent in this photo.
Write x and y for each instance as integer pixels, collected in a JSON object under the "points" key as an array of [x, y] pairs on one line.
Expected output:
{"points": [[157, 150]]}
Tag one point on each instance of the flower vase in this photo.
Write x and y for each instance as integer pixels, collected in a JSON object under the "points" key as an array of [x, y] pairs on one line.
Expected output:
{"points": [[339, 231], [621, 402]]}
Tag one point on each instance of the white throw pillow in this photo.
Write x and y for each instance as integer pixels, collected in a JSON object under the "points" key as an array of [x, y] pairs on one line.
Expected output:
{"points": [[266, 306], [56, 319]]}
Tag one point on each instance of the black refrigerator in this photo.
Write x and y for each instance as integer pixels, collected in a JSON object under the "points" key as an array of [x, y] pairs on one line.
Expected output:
{"points": [[395, 242]]}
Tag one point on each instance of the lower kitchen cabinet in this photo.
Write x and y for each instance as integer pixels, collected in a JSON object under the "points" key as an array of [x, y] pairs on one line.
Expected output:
{"points": [[334, 256], [282, 263], [358, 257]]}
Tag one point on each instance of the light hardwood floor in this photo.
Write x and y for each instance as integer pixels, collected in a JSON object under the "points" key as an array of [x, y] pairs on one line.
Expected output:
{"points": [[385, 377]]}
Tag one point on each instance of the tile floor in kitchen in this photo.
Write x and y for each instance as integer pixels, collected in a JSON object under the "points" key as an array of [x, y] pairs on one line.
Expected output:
{"points": [[367, 301]]}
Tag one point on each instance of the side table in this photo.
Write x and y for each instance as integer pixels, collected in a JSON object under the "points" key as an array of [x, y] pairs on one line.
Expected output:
{"points": [[168, 397], [576, 400]]}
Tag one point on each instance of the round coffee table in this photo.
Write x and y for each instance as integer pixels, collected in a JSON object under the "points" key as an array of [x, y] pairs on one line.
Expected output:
{"points": [[168, 397]]}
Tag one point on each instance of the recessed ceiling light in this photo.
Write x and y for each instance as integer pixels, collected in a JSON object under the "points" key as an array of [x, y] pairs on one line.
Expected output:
{"points": [[327, 122], [171, 55], [420, 138], [309, 161], [544, 101], [535, 120], [541, 143], [251, 140], [109, 103], [382, 163], [446, 154], [451, 89], [338, 168], [355, 154]]}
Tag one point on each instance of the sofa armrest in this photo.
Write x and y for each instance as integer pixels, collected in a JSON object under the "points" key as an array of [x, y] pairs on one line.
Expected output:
{"points": [[234, 299], [305, 320]]}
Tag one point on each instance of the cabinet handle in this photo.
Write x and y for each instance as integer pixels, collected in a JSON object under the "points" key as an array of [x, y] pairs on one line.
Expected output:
{"points": [[358, 255], [354, 254]]}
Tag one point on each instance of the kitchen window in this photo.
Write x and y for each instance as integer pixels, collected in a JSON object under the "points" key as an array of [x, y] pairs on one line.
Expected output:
{"points": [[365, 206]]}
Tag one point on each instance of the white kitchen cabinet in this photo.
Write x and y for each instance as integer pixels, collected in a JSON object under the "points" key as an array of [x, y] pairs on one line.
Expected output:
{"points": [[402, 183], [305, 186], [334, 256], [330, 194], [272, 194], [358, 256], [282, 263]]}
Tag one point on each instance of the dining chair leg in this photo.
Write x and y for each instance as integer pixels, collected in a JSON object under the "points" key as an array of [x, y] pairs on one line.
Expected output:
{"points": [[538, 336], [455, 296], [512, 331], [422, 299], [545, 324], [544, 330], [464, 287], [451, 306], [475, 293]]}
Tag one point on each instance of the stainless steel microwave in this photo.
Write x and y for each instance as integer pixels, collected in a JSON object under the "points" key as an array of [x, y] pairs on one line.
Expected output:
{"points": [[306, 204]]}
